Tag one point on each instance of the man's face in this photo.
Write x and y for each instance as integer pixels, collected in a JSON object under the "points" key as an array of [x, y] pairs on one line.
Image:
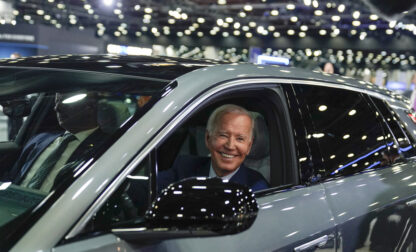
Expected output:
{"points": [[76, 115], [230, 142]]}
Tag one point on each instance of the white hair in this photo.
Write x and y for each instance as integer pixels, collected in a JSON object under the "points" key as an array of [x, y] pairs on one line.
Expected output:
{"points": [[225, 109]]}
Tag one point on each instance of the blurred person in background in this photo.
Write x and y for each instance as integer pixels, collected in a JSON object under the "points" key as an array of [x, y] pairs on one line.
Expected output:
{"points": [[329, 67]]}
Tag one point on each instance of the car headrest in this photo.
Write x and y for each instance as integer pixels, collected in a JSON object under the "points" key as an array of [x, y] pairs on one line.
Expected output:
{"points": [[111, 114], [260, 146]]}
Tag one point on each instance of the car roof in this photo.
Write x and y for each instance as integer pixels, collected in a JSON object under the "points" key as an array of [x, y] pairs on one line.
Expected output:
{"points": [[158, 67], [166, 69]]}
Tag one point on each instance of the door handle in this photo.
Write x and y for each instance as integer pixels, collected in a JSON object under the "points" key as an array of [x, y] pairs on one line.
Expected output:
{"points": [[317, 243]]}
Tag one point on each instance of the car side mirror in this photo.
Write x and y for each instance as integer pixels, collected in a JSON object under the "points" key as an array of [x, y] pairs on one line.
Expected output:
{"points": [[196, 207]]}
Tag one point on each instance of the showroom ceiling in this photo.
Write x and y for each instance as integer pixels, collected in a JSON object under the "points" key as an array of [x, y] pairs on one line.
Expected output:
{"points": [[224, 18], [285, 27]]}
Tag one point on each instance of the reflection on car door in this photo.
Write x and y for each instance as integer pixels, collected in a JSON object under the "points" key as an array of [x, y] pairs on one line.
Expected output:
{"points": [[372, 203]]}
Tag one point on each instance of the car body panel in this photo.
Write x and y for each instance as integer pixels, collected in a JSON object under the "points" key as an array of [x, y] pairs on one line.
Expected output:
{"points": [[359, 204], [286, 220]]}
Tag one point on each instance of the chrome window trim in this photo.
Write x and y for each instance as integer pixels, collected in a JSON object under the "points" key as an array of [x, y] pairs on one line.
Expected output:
{"points": [[77, 228]]}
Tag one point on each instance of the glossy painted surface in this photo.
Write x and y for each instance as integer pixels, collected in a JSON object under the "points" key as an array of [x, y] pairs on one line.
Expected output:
{"points": [[285, 220], [375, 210], [216, 205]]}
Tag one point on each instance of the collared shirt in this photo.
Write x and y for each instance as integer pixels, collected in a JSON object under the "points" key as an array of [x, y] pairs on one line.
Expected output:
{"points": [[72, 146], [212, 173]]}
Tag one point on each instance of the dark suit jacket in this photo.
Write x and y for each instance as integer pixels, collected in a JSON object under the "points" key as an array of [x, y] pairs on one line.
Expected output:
{"points": [[36, 145], [191, 166]]}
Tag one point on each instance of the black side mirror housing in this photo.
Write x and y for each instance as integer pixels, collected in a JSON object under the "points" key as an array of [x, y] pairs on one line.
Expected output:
{"points": [[196, 207]]}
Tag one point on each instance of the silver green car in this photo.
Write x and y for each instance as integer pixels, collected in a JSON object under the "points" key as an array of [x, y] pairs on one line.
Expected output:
{"points": [[338, 155]]}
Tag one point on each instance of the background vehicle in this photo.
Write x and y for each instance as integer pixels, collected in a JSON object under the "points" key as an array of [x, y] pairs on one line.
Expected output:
{"points": [[338, 155]]}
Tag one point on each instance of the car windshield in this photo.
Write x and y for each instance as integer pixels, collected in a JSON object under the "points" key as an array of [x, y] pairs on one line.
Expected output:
{"points": [[52, 122]]}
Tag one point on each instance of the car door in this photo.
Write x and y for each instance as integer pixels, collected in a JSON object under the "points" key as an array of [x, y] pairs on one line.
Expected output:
{"points": [[368, 193], [291, 215]]}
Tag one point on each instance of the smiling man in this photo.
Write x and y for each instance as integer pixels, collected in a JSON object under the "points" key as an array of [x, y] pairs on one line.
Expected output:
{"points": [[228, 137]]}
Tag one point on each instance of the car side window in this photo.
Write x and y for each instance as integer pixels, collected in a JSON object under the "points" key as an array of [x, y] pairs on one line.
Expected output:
{"points": [[127, 204], [350, 135], [403, 142]]}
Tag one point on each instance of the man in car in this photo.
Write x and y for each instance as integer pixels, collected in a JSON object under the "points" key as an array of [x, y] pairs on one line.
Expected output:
{"points": [[228, 137], [46, 154]]}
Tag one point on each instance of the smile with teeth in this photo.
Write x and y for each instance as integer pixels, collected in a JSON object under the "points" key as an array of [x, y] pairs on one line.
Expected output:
{"points": [[226, 155]]}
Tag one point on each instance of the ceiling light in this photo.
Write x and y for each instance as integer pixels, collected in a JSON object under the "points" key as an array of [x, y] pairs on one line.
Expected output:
{"points": [[246, 28], [352, 112], [248, 7], [356, 14], [171, 21], [336, 18], [249, 35], [372, 27], [318, 12], [356, 23], [87, 6], [294, 19], [200, 34], [184, 16], [252, 24], [40, 12], [222, 2], [225, 34], [276, 34], [179, 34], [389, 31], [108, 2], [315, 3], [229, 20], [236, 25], [271, 28], [307, 2], [148, 10], [353, 32], [373, 17], [303, 28], [302, 34], [61, 6], [341, 8], [290, 6], [392, 24], [236, 33], [137, 7], [47, 17], [187, 32], [201, 20], [242, 14], [15, 12], [26, 17], [274, 12], [260, 29], [220, 22], [322, 32], [291, 32]]}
